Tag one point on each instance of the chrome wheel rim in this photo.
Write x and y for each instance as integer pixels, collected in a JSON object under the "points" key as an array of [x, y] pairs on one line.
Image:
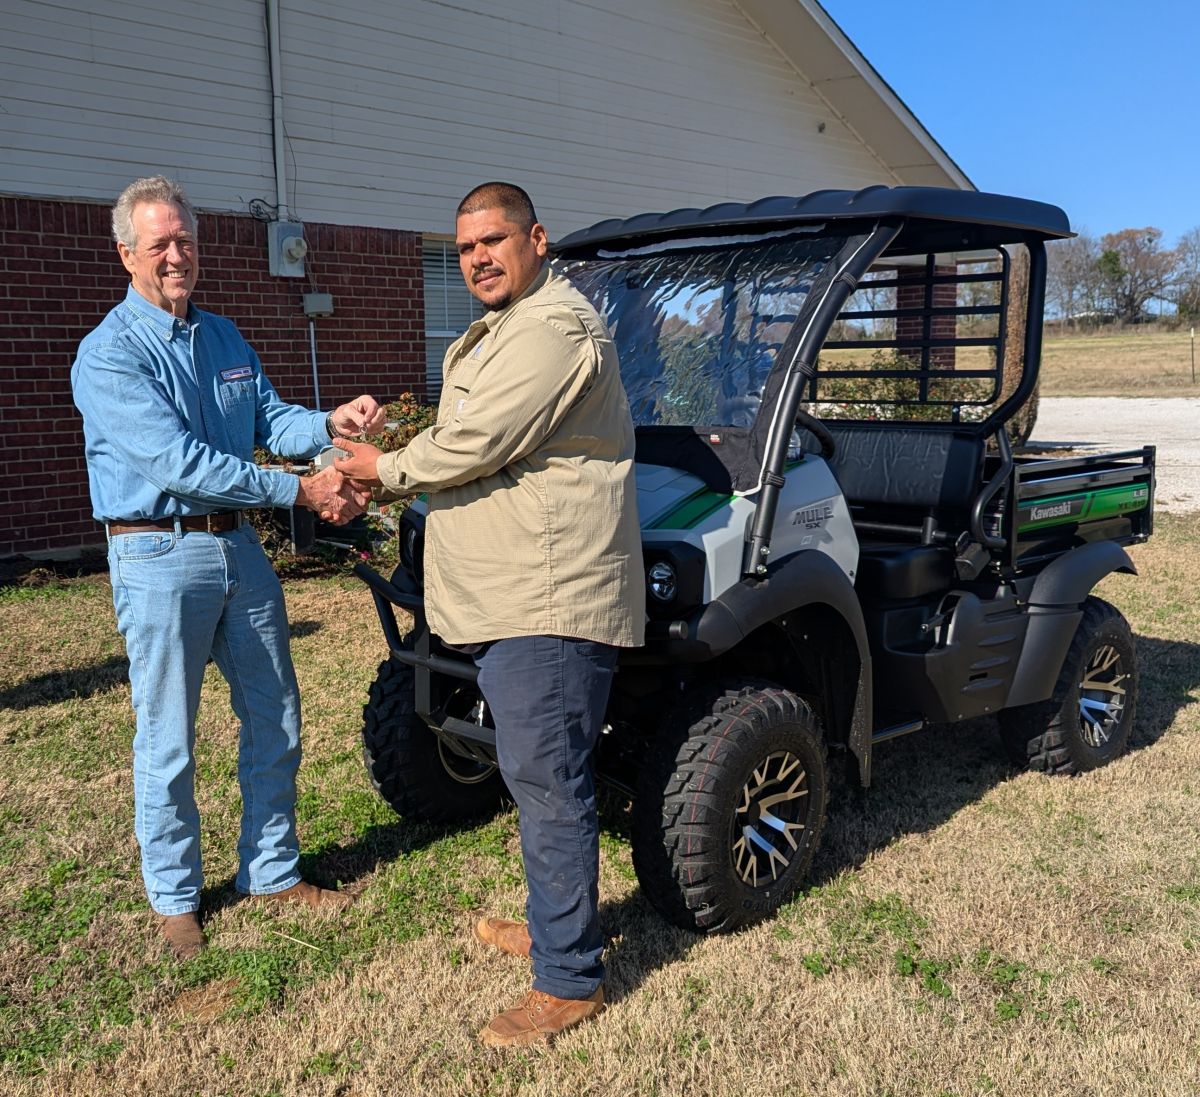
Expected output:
{"points": [[768, 824], [1102, 696]]}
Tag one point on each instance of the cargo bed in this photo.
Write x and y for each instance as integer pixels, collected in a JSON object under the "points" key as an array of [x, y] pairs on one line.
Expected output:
{"points": [[1053, 505]]}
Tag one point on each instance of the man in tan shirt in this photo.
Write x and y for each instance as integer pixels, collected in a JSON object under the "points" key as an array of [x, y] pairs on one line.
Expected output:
{"points": [[533, 563]]}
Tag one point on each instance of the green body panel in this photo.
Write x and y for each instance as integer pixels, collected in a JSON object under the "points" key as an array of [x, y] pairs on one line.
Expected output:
{"points": [[692, 509], [1083, 506], [689, 511]]}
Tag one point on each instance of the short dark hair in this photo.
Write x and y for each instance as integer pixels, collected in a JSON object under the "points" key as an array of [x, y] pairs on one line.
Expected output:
{"points": [[503, 196]]}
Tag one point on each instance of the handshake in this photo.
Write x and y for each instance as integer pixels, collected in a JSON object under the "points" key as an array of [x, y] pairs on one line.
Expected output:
{"points": [[336, 497]]}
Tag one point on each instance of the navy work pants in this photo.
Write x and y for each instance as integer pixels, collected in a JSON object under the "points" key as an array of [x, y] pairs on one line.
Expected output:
{"points": [[547, 695]]}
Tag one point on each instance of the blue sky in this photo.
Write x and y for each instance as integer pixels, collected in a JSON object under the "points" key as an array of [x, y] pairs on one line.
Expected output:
{"points": [[1094, 106]]}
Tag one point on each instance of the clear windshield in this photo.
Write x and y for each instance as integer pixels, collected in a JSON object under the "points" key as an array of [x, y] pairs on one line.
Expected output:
{"points": [[698, 324]]}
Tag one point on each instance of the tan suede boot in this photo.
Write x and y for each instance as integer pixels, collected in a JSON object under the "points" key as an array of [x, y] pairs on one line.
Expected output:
{"points": [[507, 936], [538, 1018], [311, 896], [182, 933]]}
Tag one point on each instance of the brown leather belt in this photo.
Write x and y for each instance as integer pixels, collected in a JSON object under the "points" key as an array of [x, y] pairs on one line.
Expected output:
{"points": [[221, 522]]}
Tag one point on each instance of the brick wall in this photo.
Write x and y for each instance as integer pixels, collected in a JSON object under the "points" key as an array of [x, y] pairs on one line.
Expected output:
{"points": [[59, 275], [921, 295]]}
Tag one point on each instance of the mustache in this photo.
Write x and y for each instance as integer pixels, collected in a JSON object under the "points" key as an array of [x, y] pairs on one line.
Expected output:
{"points": [[485, 272]]}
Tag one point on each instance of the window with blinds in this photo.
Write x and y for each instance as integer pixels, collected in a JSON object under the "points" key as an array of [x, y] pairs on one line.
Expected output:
{"points": [[449, 306]]}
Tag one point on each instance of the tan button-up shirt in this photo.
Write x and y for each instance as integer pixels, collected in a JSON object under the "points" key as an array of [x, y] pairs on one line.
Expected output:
{"points": [[532, 526]]}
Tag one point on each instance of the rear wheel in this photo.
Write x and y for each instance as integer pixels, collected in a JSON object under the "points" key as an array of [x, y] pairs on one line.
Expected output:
{"points": [[411, 768], [730, 810], [1087, 721]]}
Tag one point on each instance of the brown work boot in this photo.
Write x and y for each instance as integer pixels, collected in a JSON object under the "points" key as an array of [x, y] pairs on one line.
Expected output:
{"points": [[182, 934], [539, 1017], [311, 896], [510, 937]]}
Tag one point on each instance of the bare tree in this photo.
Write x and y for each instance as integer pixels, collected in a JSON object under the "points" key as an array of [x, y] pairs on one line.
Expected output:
{"points": [[1020, 426], [1072, 276], [1184, 293], [1135, 268]]}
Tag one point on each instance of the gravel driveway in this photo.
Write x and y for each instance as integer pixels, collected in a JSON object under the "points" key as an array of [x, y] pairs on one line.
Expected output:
{"points": [[1116, 423]]}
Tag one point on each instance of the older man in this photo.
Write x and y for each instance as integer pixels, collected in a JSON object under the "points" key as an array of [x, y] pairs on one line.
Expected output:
{"points": [[532, 563], [173, 402]]}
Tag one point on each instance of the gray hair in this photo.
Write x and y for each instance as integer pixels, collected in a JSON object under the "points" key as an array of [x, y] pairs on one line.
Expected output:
{"points": [[152, 189]]}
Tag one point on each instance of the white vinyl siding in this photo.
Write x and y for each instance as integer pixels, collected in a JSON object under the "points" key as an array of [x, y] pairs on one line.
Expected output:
{"points": [[598, 109], [449, 307], [394, 110], [94, 94]]}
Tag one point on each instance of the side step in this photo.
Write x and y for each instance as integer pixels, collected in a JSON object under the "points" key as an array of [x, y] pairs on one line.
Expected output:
{"points": [[882, 735]]}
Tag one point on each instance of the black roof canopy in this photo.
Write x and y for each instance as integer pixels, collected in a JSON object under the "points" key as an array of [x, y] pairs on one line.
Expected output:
{"points": [[935, 219]]}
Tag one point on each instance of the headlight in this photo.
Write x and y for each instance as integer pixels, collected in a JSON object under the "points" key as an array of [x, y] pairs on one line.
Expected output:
{"points": [[662, 582]]}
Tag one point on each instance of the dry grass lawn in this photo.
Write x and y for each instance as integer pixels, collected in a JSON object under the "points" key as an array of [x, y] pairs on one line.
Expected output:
{"points": [[969, 929], [1133, 362]]}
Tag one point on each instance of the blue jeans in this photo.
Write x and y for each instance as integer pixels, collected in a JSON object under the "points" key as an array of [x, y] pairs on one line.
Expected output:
{"points": [[547, 695], [179, 600]]}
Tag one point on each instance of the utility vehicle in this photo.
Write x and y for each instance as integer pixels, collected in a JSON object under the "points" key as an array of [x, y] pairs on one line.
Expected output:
{"points": [[840, 546]]}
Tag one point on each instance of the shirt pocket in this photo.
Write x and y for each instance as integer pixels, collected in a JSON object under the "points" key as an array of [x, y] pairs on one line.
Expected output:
{"points": [[461, 383], [238, 405], [237, 395]]}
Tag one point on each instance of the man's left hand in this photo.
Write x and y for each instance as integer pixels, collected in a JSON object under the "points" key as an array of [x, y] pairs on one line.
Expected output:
{"points": [[360, 416]]}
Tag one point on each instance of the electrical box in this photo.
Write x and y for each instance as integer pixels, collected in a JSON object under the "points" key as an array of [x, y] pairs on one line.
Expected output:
{"points": [[286, 248], [318, 304]]}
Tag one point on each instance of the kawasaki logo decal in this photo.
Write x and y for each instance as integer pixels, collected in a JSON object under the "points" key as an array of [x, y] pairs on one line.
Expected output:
{"points": [[1056, 510], [1087, 506]]}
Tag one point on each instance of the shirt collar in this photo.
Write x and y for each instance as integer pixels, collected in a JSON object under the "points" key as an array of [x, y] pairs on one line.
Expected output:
{"points": [[496, 315], [161, 322]]}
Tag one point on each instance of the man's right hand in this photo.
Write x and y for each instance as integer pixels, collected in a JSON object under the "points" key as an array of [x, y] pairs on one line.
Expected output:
{"points": [[332, 496]]}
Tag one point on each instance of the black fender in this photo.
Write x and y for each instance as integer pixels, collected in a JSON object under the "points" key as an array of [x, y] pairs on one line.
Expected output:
{"points": [[801, 579], [1055, 609]]}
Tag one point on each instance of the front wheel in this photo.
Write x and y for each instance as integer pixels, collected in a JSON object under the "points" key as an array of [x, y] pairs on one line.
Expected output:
{"points": [[1088, 719], [730, 810], [411, 768]]}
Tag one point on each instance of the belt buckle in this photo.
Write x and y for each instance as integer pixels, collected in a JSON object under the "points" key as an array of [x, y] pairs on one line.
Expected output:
{"points": [[208, 523]]}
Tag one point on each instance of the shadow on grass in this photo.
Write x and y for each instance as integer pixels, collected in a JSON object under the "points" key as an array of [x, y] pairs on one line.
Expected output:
{"points": [[63, 685], [342, 865], [922, 780], [299, 629], [1169, 671]]}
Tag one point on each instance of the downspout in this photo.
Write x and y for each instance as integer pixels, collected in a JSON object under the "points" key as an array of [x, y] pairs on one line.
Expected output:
{"points": [[312, 346], [277, 109]]}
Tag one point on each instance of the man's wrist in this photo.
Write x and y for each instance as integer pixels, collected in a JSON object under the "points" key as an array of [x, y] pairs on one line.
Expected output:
{"points": [[331, 429]]}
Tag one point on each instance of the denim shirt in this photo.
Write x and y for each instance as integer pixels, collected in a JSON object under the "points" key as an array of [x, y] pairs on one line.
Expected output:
{"points": [[172, 410]]}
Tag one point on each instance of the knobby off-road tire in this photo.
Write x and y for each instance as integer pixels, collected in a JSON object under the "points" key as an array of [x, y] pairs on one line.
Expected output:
{"points": [[1087, 721], [730, 808], [411, 769]]}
